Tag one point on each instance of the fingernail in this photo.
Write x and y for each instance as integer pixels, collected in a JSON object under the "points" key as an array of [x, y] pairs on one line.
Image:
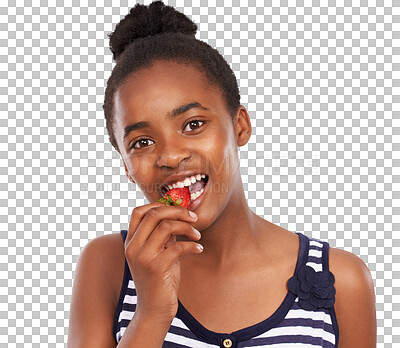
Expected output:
{"points": [[200, 247], [198, 233], [193, 214]]}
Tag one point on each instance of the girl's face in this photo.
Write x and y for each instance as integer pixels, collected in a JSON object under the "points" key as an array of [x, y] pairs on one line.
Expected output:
{"points": [[170, 124]]}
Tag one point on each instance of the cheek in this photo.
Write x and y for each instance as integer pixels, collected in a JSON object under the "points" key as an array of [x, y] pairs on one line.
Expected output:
{"points": [[140, 168], [219, 154]]}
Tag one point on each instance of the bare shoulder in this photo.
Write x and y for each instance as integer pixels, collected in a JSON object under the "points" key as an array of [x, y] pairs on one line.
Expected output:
{"points": [[102, 260], [107, 250], [97, 283], [350, 270], [355, 299]]}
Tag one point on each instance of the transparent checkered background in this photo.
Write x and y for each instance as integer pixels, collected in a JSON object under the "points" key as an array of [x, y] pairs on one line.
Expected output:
{"points": [[320, 81]]}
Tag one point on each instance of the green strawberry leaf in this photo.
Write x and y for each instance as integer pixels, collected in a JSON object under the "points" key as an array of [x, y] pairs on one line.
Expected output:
{"points": [[178, 201], [167, 200]]}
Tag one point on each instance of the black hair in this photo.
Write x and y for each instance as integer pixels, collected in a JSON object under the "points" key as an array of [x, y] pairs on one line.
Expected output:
{"points": [[159, 32]]}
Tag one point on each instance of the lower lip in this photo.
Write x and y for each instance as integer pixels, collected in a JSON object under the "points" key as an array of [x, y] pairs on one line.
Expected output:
{"points": [[195, 204]]}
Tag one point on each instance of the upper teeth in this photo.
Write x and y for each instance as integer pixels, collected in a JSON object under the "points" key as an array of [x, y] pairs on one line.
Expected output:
{"points": [[187, 181]]}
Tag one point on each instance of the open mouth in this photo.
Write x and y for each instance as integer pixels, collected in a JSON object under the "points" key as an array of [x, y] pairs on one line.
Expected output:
{"points": [[195, 183]]}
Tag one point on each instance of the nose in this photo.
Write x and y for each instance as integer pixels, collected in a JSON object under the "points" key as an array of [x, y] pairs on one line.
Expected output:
{"points": [[172, 154]]}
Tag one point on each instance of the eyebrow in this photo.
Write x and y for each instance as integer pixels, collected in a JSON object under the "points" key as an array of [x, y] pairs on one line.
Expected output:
{"points": [[175, 112]]}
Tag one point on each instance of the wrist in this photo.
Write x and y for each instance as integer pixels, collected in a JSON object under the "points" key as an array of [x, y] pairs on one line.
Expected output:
{"points": [[148, 318]]}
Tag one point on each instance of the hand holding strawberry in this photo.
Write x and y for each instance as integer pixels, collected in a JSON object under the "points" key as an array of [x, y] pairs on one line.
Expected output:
{"points": [[153, 251]]}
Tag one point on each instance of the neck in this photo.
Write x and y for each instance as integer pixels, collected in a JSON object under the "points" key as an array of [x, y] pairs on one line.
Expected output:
{"points": [[234, 235]]}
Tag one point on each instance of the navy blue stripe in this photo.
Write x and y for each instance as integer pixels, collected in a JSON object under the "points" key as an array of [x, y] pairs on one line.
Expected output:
{"points": [[131, 292], [314, 259], [325, 256], [182, 332], [307, 322], [296, 306], [124, 322], [129, 307], [116, 325], [315, 247]]}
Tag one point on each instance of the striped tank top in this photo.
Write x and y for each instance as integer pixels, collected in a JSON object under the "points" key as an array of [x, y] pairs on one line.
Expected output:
{"points": [[305, 319]]}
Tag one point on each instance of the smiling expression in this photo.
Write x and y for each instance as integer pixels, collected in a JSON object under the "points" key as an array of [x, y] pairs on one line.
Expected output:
{"points": [[171, 124]]}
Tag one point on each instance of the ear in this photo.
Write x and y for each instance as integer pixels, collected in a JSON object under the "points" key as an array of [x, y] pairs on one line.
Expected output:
{"points": [[127, 172], [242, 126]]}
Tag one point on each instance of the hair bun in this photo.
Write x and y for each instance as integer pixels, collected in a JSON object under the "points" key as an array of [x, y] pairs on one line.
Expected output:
{"points": [[143, 21]]}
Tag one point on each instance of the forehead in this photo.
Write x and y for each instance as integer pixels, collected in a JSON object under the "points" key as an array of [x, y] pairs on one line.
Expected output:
{"points": [[161, 87]]}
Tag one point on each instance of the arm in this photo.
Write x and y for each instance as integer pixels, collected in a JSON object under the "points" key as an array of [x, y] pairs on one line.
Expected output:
{"points": [[97, 283], [355, 300], [98, 273], [153, 260]]}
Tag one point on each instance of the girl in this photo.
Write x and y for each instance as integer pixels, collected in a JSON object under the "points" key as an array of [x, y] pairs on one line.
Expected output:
{"points": [[213, 274]]}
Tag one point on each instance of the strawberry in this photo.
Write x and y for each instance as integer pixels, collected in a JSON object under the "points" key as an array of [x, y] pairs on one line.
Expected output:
{"points": [[177, 196]]}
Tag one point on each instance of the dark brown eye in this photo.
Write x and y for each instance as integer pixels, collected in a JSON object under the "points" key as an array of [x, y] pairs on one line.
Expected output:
{"points": [[193, 125], [142, 143]]}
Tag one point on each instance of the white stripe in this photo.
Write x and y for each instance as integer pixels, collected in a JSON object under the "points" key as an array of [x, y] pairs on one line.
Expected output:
{"points": [[317, 266], [131, 284], [179, 323], [316, 243], [125, 315], [299, 330], [128, 315], [301, 313], [173, 338], [315, 253], [287, 345], [120, 333], [130, 299]]}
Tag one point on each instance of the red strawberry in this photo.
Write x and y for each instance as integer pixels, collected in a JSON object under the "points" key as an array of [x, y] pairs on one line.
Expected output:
{"points": [[177, 196]]}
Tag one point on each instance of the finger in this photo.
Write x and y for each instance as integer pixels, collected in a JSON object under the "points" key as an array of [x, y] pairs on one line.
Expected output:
{"points": [[171, 240], [166, 229], [154, 216], [136, 217], [170, 255]]}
